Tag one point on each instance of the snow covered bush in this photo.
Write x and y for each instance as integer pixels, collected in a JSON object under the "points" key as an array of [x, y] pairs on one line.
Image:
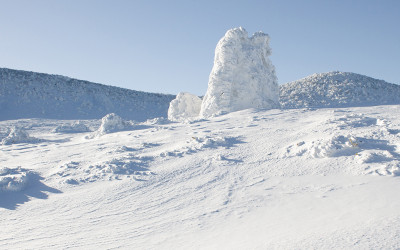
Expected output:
{"points": [[18, 135], [109, 124], [13, 179], [77, 127], [242, 76], [185, 106]]}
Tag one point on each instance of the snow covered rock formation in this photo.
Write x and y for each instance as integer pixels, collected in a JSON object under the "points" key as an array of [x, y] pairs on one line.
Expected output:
{"points": [[184, 107], [242, 76], [338, 89], [26, 94]]}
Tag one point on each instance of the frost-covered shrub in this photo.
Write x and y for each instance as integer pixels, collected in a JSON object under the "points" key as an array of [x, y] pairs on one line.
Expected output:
{"points": [[18, 135], [77, 127], [242, 76], [109, 124], [185, 106], [13, 179], [112, 123]]}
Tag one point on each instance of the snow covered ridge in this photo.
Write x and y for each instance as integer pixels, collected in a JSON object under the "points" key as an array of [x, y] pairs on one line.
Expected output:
{"points": [[26, 94], [242, 76], [338, 89]]}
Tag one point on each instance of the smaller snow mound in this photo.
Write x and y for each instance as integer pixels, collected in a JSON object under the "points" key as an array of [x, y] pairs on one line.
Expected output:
{"points": [[115, 169], [334, 147], [111, 123], [353, 121], [156, 121], [18, 135], [13, 179], [196, 144], [77, 127], [184, 107]]}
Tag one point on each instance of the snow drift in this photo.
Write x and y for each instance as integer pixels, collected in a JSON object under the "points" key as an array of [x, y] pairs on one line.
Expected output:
{"points": [[26, 94], [184, 107], [338, 89], [242, 76]]}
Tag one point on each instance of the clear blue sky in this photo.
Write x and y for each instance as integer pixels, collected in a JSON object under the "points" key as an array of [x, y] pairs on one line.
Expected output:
{"points": [[168, 46]]}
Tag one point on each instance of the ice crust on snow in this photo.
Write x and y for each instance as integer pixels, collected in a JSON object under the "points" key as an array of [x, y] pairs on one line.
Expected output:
{"points": [[184, 107], [338, 89], [242, 76], [26, 94], [13, 179], [18, 135]]}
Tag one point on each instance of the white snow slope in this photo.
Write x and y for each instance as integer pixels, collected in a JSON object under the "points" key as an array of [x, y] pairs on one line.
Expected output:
{"points": [[252, 179], [26, 94], [338, 89]]}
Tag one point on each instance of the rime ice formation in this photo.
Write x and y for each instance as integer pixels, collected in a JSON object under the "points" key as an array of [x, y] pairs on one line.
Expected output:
{"points": [[112, 123], [13, 179], [185, 106], [242, 76], [18, 135]]}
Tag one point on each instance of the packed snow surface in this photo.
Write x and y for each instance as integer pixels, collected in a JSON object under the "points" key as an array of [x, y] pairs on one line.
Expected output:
{"points": [[338, 89], [184, 107], [251, 179], [242, 76], [26, 94]]}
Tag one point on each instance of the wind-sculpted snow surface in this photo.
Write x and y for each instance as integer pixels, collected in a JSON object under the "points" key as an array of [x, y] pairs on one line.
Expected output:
{"points": [[338, 89], [26, 94], [242, 76], [251, 179], [184, 107]]}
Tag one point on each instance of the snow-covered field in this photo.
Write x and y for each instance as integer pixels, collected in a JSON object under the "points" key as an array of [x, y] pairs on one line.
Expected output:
{"points": [[252, 179]]}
